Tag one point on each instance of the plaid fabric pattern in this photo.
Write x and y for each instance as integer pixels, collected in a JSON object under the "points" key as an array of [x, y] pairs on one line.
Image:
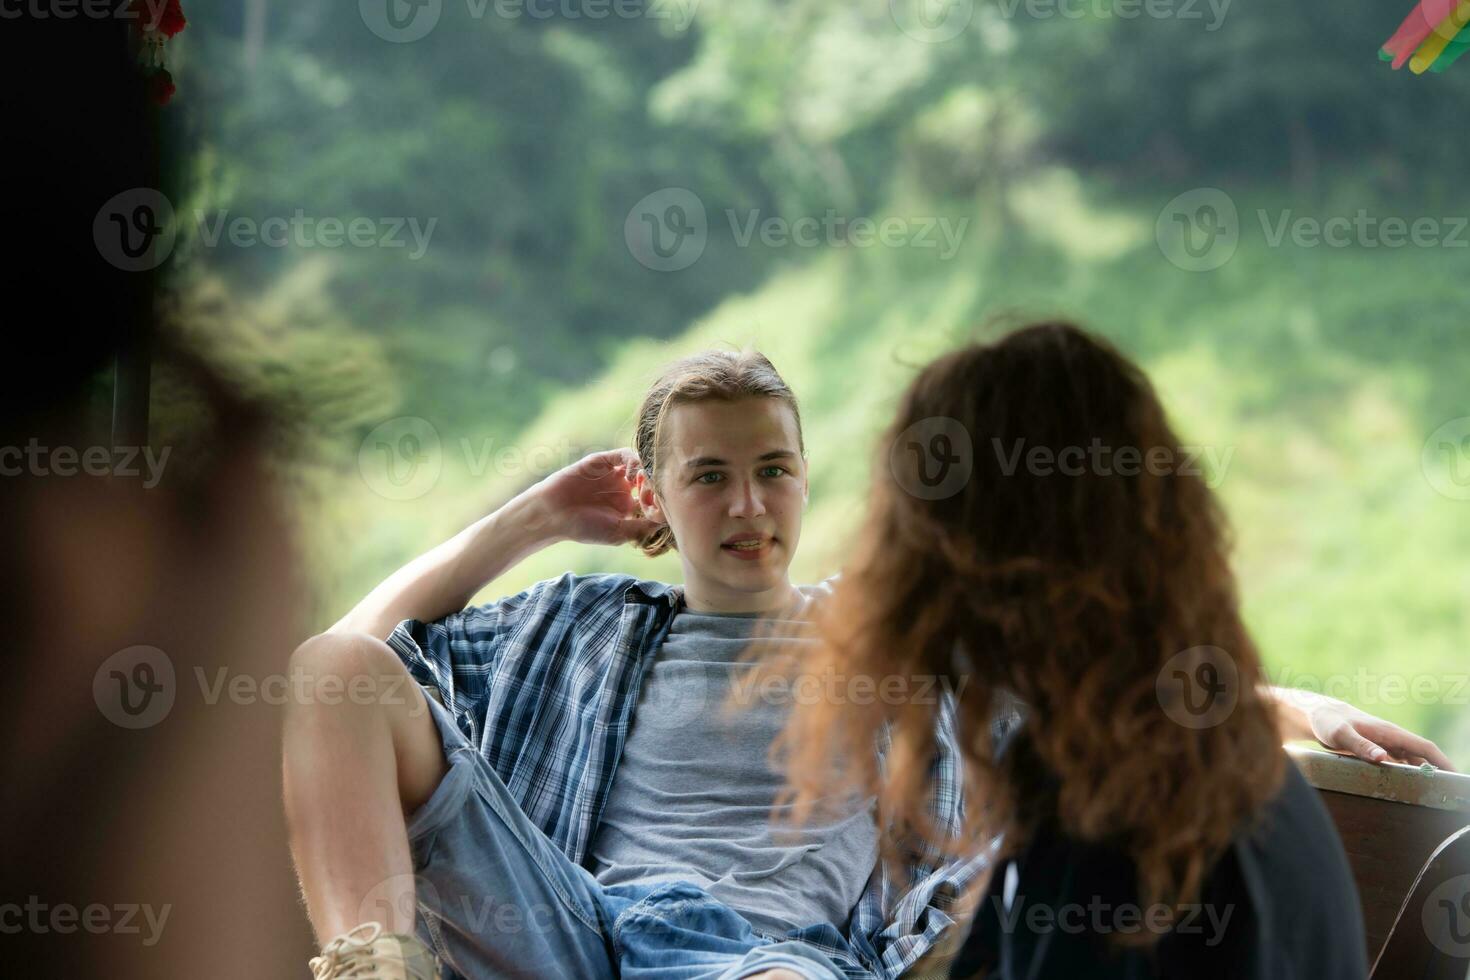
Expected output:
{"points": [[545, 683]]}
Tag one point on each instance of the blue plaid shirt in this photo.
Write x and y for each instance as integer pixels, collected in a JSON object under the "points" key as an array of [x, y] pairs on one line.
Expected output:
{"points": [[545, 683]]}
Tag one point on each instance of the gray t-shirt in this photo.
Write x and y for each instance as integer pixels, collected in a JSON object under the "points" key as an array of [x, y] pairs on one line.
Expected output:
{"points": [[693, 794]]}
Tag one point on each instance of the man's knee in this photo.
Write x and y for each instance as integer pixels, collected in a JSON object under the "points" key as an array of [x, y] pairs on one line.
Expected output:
{"points": [[334, 669], [353, 683]]}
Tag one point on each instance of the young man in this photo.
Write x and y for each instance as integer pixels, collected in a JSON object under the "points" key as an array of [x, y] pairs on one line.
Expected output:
{"points": [[570, 803]]}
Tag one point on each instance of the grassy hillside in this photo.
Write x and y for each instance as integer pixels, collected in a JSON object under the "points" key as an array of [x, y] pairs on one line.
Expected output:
{"points": [[1317, 372]]}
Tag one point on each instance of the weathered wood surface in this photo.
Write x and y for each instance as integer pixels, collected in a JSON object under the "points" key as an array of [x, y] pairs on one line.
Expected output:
{"points": [[1391, 818], [1390, 781]]}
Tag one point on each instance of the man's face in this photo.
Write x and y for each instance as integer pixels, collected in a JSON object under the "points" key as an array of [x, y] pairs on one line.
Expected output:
{"points": [[731, 470]]}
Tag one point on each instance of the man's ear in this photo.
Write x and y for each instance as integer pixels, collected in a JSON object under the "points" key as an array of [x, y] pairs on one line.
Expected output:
{"points": [[648, 501]]}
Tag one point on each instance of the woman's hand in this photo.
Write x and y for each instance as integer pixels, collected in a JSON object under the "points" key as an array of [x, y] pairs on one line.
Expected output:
{"points": [[591, 500]]}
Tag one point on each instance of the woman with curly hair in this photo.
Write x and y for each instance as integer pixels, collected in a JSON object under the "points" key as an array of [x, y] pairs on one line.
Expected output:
{"points": [[1123, 754]]}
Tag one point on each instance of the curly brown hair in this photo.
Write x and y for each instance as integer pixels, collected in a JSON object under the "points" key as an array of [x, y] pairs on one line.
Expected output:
{"points": [[1071, 588]]}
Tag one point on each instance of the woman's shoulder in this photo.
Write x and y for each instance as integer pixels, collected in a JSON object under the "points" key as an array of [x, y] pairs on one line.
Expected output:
{"points": [[1293, 832], [1295, 875], [1280, 902]]}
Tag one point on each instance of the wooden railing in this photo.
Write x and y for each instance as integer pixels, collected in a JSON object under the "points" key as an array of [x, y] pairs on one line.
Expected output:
{"points": [[1393, 819]]}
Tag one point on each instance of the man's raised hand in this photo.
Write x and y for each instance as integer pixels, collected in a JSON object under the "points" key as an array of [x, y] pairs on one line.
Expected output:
{"points": [[592, 500]]}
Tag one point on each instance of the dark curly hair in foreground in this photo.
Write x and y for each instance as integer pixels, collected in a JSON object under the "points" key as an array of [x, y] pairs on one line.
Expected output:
{"points": [[1071, 586]]}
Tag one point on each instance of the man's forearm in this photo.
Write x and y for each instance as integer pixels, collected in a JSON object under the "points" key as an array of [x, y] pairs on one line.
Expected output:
{"points": [[1292, 709], [444, 579]]}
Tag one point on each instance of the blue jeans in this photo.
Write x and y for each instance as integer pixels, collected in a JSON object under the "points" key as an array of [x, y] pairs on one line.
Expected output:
{"points": [[497, 899]]}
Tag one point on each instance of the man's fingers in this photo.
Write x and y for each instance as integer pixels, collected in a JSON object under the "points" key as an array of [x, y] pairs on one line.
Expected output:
{"points": [[1408, 745], [600, 464], [634, 528], [624, 502], [1364, 749]]}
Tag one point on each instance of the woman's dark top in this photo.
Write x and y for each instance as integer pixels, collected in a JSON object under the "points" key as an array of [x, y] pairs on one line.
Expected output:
{"points": [[1280, 904]]}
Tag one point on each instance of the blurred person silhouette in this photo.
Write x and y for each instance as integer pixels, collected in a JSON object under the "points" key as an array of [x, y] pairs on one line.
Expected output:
{"points": [[143, 836]]}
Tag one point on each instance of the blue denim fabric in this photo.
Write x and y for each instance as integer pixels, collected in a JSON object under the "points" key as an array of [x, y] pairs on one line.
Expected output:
{"points": [[497, 899]]}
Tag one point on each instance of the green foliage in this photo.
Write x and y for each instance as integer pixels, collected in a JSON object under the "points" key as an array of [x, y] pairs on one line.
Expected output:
{"points": [[528, 329]]}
